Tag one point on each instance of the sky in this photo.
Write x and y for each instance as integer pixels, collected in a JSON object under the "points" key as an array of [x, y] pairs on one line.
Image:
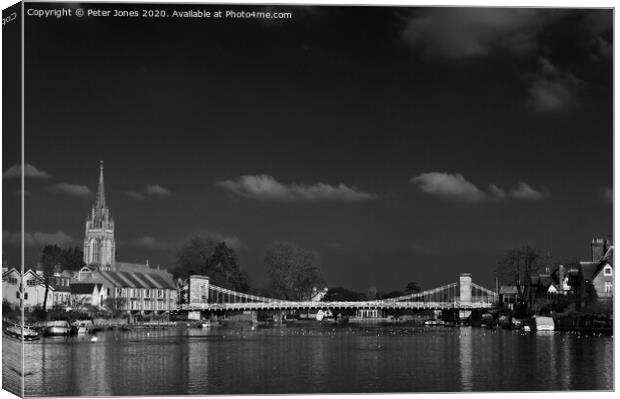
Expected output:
{"points": [[401, 144]]}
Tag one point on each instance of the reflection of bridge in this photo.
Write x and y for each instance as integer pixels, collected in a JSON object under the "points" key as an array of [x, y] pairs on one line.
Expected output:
{"points": [[463, 294]]}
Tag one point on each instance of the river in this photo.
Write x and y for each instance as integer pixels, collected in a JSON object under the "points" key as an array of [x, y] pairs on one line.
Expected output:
{"points": [[310, 359]]}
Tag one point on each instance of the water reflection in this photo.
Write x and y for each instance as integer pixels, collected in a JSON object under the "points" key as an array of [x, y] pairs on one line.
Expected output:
{"points": [[465, 359], [311, 359]]}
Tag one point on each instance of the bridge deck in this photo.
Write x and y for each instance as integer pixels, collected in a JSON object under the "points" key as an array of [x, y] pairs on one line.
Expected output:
{"points": [[290, 305]]}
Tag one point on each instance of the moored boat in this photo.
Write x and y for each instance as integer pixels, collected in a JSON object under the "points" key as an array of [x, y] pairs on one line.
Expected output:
{"points": [[15, 331], [543, 323], [57, 327]]}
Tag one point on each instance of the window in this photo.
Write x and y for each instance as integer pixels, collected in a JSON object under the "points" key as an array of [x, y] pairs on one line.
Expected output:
{"points": [[12, 280], [609, 287], [607, 271], [31, 282], [108, 292], [25, 295], [17, 295]]}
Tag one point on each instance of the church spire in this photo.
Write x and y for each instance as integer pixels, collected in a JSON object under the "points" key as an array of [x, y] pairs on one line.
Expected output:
{"points": [[100, 190]]}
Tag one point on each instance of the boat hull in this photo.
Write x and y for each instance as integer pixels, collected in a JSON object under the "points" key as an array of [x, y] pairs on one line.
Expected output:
{"points": [[56, 330]]}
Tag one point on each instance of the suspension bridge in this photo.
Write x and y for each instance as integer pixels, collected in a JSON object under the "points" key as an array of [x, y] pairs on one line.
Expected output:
{"points": [[463, 294]]}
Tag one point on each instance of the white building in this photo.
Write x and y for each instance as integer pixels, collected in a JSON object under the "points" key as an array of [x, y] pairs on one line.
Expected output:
{"points": [[30, 293]]}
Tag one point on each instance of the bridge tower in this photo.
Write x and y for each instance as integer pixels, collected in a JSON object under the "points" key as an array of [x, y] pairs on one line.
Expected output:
{"points": [[198, 287], [465, 288]]}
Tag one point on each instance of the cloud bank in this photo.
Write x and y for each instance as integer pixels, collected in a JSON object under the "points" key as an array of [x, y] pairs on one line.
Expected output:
{"points": [[30, 171], [456, 187], [553, 88], [151, 191], [38, 239], [267, 188], [76, 190]]}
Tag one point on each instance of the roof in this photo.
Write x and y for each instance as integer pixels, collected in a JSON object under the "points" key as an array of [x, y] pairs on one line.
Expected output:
{"points": [[591, 269], [60, 288], [84, 288], [138, 279], [67, 274], [508, 289]]}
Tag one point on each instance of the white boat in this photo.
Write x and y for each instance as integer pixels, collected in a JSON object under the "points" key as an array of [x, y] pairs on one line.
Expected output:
{"points": [[57, 327], [15, 331], [543, 323]]}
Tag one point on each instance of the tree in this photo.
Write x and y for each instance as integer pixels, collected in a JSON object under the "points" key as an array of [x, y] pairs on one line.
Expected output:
{"points": [[517, 266], [72, 258], [293, 272], [203, 255], [392, 294], [341, 294], [371, 293], [223, 269], [51, 258], [193, 255], [115, 305], [412, 288]]}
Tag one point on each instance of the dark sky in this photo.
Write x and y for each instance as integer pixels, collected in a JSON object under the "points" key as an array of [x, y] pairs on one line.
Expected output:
{"points": [[402, 144]]}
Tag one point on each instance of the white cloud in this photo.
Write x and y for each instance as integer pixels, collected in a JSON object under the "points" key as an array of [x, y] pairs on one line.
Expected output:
{"points": [[267, 188], [553, 89], [453, 186], [38, 239], [135, 195], [76, 190], [154, 190], [456, 187], [30, 171], [524, 191], [157, 190]]}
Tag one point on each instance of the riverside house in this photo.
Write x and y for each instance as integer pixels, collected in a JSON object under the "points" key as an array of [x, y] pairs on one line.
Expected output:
{"points": [[30, 293], [132, 287]]}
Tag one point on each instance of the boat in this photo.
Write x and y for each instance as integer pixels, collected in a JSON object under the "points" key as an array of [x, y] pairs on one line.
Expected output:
{"points": [[543, 323], [15, 331], [487, 321], [434, 323], [80, 330], [209, 323], [57, 327]]}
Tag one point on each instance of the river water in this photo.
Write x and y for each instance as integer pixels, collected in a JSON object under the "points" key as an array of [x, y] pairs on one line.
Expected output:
{"points": [[310, 359]]}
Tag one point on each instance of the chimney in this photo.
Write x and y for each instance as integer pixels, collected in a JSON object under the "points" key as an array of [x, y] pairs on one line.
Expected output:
{"points": [[598, 249], [561, 274]]}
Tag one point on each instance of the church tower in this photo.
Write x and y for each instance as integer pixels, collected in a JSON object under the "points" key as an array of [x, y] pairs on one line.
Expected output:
{"points": [[99, 245]]}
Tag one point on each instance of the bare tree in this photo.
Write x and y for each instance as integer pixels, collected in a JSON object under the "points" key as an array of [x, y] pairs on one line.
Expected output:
{"points": [[294, 272], [518, 266]]}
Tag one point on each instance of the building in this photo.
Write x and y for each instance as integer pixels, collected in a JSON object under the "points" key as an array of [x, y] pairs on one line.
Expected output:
{"points": [[99, 244], [83, 294], [600, 271], [508, 295], [28, 291], [124, 286]]}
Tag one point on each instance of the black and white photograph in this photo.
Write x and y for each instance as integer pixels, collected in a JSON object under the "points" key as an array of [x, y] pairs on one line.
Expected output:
{"points": [[246, 199]]}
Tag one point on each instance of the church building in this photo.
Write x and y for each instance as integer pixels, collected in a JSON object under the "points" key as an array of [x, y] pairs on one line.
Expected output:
{"points": [[131, 287], [99, 245]]}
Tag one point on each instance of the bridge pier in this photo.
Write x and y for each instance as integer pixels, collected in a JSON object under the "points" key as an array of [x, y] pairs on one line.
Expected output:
{"points": [[278, 317]]}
